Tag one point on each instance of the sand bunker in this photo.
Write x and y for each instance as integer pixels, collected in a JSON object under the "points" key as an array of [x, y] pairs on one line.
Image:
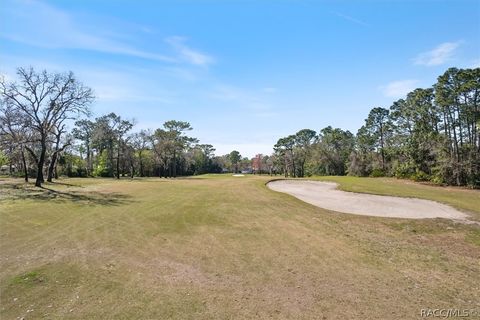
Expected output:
{"points": [[325, 195]]}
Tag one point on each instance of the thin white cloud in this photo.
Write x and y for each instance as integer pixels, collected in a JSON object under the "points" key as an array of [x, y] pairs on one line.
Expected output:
{"points": [[351, 19], [122, 94], [181, 73], [399, 89], [188, 54], [117, 84], [38, 24], [437, 56], [123, 86]]}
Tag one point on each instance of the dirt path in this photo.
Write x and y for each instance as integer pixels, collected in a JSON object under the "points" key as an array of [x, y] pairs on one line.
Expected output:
{"points": [[325, 195]]}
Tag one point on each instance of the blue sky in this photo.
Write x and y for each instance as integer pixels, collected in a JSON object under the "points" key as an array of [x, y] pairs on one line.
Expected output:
{"points": [[243, 73]]}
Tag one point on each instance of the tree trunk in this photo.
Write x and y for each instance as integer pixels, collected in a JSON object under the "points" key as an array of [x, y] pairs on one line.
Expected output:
{"points": [[24, 163], [294, 172], [10, 164], [141, 163], [89, 170], [174, 164], [381, 146], [51, 167], [40, 163], [111, 171], [118, 162]]}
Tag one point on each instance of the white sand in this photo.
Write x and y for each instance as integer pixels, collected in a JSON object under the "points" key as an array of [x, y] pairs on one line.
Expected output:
{"points": [[238, 175], [325, 195]]}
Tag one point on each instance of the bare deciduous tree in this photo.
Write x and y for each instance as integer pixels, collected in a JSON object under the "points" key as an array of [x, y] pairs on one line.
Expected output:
{"points": [[44, 101]]}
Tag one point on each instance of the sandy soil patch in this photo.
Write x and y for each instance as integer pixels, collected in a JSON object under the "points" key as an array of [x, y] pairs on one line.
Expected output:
{"points": [[325, 195]]}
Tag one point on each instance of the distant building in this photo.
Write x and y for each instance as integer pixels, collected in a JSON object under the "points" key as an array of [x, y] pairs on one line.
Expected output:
{"points": [[257, 163]]}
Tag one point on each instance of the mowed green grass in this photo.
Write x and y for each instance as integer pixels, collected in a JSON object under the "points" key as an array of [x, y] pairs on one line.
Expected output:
{"points": [[224, 247]]}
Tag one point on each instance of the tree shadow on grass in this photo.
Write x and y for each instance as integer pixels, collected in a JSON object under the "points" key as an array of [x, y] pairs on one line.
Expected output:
{"points": [[189, 178], [16, 191], [67, 184]]}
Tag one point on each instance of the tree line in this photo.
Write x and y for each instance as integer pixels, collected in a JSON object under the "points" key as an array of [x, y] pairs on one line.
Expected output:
{"points": [[430, 135], [37, 110]]}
